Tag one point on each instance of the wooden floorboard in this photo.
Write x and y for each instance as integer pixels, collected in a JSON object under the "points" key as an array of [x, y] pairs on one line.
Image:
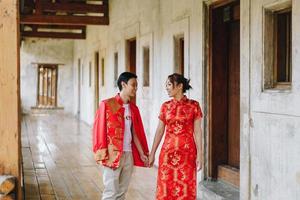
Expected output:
{"points": [[58, 162]]}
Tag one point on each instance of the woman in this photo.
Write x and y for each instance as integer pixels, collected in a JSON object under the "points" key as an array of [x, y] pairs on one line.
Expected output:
{"points": [[180, 155]]}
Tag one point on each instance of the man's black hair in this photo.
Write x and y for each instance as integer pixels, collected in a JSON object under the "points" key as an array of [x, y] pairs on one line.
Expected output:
{"points": [[125, 77]]}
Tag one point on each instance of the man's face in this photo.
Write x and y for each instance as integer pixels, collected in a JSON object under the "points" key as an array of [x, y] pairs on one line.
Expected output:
{"points": [[130, 87]]}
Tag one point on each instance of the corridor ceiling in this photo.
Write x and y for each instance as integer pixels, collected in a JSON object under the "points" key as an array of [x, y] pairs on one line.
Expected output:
{"points": [[65, 19]]}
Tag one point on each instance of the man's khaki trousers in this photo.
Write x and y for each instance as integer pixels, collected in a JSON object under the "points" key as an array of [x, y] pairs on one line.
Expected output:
{"points": [[116, 181]]}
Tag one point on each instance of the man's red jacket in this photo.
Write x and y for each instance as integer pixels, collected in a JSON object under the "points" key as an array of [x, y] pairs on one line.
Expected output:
{"points": [[108, 133]]}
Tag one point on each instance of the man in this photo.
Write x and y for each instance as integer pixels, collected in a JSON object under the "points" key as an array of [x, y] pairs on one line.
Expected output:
{"points": [[119, 140]]}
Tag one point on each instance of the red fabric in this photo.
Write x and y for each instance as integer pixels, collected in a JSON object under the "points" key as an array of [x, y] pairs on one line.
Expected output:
{"points": [[108, 132], [99, 129], [177, 161]]}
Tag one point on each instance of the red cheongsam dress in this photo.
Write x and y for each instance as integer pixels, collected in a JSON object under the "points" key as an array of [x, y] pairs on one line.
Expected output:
{"points": [[177, 160]]}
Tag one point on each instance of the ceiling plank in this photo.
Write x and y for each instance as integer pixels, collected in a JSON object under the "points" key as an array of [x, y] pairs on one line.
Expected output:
{"points": [[74, 7], [58, 27], [63, 20], [54, 35]]}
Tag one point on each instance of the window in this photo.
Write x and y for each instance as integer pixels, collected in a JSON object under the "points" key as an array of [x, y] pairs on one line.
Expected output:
{"points": [[179, 54], [115, 68], [146, 63], [278, 43], [47, 85], [102, 72], [283, 44]]}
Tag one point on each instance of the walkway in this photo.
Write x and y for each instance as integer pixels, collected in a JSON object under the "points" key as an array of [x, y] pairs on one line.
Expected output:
{"points": [[58, 162]]}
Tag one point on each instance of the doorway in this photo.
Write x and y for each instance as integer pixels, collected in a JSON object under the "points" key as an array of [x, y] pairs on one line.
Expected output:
{"points": [[96, 79], [78, 87], [224, 91], [131, 57]]}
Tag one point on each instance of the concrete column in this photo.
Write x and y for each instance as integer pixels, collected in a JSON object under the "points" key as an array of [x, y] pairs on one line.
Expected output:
{"points": [[245, 116]]}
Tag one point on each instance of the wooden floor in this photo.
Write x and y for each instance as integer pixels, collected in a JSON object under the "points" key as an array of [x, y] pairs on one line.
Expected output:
{"points": [[58, 162]]}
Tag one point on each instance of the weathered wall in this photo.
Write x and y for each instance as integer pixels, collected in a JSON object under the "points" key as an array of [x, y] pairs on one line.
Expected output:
{"points": [[274, 137], [47, 51]]}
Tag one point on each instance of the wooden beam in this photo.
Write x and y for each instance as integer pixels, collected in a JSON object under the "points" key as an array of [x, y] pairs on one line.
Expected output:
{"points": [[38, 7], [74, 7], [10, 118], [54, 35], [64, 20], [80, 27]]}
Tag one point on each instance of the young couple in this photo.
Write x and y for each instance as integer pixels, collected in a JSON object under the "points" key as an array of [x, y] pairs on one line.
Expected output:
{"points": [[119, 141]]}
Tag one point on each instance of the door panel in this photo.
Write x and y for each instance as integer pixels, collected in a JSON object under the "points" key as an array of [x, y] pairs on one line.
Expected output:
{"points": [[234, 96]]}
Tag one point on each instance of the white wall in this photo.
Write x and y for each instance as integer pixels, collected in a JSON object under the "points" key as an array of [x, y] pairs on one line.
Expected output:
{"points": [[47, 51]]}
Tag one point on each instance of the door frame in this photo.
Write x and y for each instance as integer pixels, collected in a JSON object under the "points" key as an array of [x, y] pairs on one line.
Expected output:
{"points": [[207, 55]]}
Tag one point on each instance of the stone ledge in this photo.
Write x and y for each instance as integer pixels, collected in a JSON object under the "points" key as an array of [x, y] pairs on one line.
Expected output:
{"points": [[217, 190]]}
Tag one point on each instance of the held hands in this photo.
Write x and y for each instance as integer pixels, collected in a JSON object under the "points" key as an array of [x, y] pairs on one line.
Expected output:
{"points": [[151, 160], [148, 160], [145, 159]]}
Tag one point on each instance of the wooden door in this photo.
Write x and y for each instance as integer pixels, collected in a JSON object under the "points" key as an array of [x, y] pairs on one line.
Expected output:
{"points": [[131, 58], [224, 95], [234, 95], [96, 100]]}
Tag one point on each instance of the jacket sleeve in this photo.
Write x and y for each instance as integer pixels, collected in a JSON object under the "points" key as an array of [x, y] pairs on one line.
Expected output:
{"points": [[141, 132], [100, 134]]}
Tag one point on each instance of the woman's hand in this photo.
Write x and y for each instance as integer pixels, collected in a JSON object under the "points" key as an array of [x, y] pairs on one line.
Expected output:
{"points": [[151, 160], [199, 163]]}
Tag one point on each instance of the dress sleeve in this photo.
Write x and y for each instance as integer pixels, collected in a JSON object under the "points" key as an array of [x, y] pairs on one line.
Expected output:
{"points": [[162, 114], [197, 111]]}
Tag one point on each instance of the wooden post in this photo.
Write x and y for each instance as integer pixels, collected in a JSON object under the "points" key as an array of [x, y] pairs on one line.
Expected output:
{"points": [[10, 134]]}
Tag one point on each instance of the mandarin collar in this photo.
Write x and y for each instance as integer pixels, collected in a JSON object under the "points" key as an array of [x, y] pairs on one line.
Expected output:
{"points": [[119, 100], [182, 100]]}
